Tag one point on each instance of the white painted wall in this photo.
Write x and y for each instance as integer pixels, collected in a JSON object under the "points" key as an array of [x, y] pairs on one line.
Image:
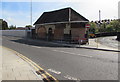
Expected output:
{"points": [[67, 29], [16, 33]]}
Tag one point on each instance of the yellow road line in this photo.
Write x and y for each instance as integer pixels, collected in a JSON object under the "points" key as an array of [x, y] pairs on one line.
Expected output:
{"points": [[33, 64], [39, 67], [30, 62]]}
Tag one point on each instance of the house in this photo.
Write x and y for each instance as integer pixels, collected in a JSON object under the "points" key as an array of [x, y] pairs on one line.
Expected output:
{"points": [[20, 28], [64, 24]]}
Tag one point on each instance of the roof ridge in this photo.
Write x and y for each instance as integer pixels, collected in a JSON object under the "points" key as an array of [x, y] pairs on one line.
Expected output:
{"points": [[58, 9]]}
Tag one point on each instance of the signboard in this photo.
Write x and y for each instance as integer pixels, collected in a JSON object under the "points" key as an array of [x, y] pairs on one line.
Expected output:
{"points": [[87, 26]]}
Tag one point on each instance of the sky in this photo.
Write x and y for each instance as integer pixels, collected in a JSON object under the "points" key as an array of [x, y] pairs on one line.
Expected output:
{"points": [[18, 12]]}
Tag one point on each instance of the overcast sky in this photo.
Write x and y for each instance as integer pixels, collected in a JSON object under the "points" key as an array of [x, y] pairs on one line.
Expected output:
{"points": [[17, 12]]}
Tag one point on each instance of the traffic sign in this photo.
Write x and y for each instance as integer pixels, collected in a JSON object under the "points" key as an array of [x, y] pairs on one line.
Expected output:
{"points": [[87, 25]]}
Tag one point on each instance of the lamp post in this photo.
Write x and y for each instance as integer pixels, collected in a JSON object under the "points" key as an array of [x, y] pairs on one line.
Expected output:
{"points": [[31, 18], [31, 11], [99, 24]]}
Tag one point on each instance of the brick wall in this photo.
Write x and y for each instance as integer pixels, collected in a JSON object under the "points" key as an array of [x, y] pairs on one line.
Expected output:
{"points": [[41, 32], [58, 33], [78, 33]]}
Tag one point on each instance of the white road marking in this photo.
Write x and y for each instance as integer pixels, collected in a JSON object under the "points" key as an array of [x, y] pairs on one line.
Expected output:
{"points": [[36, 47], [84, 55], [72, 53], [70, 77], [54, 71]]}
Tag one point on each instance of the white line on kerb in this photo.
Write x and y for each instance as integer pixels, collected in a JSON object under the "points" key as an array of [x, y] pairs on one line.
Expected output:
{"points": [[71, 53]]}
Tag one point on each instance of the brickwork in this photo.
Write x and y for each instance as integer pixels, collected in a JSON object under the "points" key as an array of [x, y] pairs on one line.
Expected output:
{"points": [[58, 33], [78, 33], [41, 32]]}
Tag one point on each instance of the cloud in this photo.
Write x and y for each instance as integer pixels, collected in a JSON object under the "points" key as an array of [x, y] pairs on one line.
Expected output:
{"points": [[90, 9], [87, 8]]}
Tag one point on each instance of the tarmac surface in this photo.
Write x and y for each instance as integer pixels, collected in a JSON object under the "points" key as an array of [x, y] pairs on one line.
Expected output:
{"points": [[67, 63], [110, 41]]}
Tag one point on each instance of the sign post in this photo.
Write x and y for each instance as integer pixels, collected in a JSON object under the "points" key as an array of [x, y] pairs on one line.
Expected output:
{"points": [[87, 26]]}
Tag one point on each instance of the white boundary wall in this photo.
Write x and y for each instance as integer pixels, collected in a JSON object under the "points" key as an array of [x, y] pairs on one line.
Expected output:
{"points": [[16, 33]]}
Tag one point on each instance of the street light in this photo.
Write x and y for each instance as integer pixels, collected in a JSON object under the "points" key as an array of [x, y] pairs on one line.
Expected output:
{"points": [[31, 11]]}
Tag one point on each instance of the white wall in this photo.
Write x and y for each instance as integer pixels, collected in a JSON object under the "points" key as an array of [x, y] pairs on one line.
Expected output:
{"points": [[16, 33]]}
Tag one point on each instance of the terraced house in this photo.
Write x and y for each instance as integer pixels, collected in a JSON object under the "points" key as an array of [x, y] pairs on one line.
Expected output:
{"points": [[64, 24]]}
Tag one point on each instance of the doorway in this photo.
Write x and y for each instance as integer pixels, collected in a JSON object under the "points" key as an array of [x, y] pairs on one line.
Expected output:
{"points": [[50, 34]]}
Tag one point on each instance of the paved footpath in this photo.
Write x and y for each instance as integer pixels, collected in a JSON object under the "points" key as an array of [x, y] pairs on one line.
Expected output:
{"points": [[14, 68], [0, 64]]}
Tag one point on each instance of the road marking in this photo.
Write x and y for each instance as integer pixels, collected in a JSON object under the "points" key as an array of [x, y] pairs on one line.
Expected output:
{"points": [[36, 47], [54, 71], [72, 53], [70, 77], [45, 75], [84, 55]]}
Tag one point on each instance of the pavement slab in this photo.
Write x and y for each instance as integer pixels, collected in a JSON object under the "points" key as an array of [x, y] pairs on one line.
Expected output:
{"points": [[14, 68], [0, 64]]}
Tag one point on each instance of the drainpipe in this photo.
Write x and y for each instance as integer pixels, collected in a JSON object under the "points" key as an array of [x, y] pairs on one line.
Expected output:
{"points": [[69, 14], [70, 23]]}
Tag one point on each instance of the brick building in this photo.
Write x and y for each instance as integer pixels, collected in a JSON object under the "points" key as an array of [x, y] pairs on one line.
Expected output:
{"points": [[63, 24]]}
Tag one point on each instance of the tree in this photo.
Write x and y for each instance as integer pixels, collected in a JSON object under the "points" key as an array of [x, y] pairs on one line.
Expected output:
{"points": [[4, 25], [93, 28], [0, 24], [28, 26], [114, 26], [12, 27]]}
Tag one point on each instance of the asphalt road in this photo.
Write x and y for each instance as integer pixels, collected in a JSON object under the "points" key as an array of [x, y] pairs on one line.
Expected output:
{"points": [[110, 41], [68, 63]]}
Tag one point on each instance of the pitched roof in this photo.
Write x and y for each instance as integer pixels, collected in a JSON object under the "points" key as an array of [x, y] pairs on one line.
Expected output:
{"points": [[62, 15]]}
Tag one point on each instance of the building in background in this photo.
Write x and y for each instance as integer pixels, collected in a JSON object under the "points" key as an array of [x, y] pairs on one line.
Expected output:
{"points": [[64, 24]]}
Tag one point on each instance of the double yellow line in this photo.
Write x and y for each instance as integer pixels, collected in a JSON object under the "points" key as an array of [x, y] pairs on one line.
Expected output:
{"points": [[39, 70]]}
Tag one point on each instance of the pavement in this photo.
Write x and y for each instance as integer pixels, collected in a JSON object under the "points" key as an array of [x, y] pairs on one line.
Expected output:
{"points": [[13, 67], [94, 44], [0, 64]]}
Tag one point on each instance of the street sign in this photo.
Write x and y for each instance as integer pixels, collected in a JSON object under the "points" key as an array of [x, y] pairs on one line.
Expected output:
{"points": [[87, 26]]}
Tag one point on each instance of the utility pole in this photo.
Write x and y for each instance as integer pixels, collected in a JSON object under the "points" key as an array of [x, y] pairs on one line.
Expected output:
{"points": [[99, 15], [31, 11], [30, 18], [99, 24]]}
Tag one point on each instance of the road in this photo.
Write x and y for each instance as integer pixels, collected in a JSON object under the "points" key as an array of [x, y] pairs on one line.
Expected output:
{"points": [[110, 41], [68, 63]]}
